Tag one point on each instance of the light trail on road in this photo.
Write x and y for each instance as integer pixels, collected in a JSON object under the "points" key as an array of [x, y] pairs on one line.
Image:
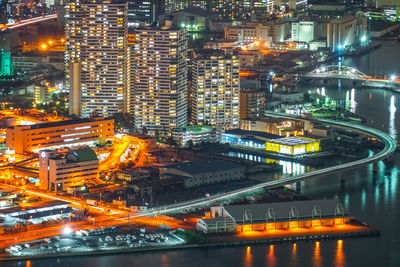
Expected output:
{"points": [[390, 148], [28, 22]]}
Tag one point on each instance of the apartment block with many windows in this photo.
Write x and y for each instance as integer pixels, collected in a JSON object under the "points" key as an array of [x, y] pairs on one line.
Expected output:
{"points": [[216, 90]]}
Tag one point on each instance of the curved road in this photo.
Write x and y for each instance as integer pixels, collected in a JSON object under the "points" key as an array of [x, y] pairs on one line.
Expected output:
{"points": [[389, 149], [28, 22]]}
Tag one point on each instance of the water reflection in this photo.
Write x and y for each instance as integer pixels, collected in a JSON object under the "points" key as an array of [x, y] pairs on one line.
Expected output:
{"points": [[294, 255], [317, 261], [392, 117], [339, 257], [288, 167], [249, 257], [353, 103], [363, 199], [271, 259]]}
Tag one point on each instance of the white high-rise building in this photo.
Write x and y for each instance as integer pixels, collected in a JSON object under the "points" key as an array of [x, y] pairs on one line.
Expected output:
{"points": [[303, 31], [216, 90], [96, 37], [159, 72]]}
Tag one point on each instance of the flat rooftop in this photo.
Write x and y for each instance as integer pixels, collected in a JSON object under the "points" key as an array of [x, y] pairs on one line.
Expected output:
{"points": [[292, 141], [194, 129], [203, 166], [61, 123], [298, 209], [241, 133]]}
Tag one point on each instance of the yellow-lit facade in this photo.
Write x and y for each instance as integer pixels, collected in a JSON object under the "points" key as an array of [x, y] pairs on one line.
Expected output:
{"points": [[292, 224], [293, 145], [158, 92], [216, 90], [96, 37]]}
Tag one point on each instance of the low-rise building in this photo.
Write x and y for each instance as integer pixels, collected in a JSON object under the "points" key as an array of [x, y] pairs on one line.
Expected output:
{"points": [[271, 216], [41, 94], [293, 145], [50, 211], [197, 134], [32, 138], [277, 126], [78, 167], [289, 97], [203, 172], [252, 139]]}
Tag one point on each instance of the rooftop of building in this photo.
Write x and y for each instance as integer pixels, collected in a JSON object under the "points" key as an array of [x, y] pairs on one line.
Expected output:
{"points": [[241, 132], [197, 12], [198, 129], [60, 123], [217, 220], [202, 166], [81, 155], [379, 25], [43, 206], [302, 209], [267, 119], [292, 141], [207, 54]]}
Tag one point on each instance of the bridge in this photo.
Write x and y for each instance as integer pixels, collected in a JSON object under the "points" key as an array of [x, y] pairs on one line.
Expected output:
{"points": [[340, 72], [385, 153]]}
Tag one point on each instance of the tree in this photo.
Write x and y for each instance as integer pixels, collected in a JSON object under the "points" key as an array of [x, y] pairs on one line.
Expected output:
{"points": [[170, 141], [189, 143]]}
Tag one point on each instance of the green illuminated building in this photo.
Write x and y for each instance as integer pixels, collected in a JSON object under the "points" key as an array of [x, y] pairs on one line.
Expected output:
{"points": [[6, 68]]}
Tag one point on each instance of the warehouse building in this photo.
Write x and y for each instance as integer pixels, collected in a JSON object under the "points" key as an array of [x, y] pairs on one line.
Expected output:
{"points": [[203, 172], [50, 211], [270, 216]]}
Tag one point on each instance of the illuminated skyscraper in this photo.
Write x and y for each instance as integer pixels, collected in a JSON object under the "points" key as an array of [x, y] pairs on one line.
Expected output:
{"points": [[216, 90], [159, 85], [96, 37]]}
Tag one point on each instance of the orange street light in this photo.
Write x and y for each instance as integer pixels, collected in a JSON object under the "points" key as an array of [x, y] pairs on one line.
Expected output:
{"points": [[50, 42], [44, 46]]}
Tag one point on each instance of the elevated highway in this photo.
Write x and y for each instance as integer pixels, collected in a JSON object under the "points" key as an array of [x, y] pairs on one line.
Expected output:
{"points": [[386, 152], [28, 22]]}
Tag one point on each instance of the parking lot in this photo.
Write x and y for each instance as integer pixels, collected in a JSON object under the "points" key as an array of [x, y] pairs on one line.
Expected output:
{"points": [[102, 239]]}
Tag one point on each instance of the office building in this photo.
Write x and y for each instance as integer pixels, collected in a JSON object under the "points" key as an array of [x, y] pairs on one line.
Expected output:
{"points": [[271, 216], [197, 135], [159, 87], [215, 90], [96, 38], [32, 138], [77, 167]]}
